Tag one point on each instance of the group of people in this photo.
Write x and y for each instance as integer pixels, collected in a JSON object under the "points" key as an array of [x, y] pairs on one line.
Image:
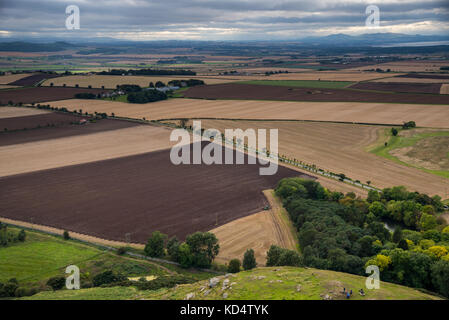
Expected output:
{"points": [[349, 293]]}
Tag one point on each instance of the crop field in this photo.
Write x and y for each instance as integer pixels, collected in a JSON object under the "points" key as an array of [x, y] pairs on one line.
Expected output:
{"points": [[33, 79], [257, 231], [407, 66], [11, 112], [341, 148], [41, 94], [283, 93], [63, 129], [329, 76], [87, 199], [39, 120], [411, 80], [34, 152], [433, 88], [425, 115], [6, 79], [425, 149], [444, 89], [302, 83], [111, 82]]}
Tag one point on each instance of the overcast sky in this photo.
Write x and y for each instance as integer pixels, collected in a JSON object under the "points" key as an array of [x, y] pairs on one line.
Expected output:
{"points": [[219, 20]]}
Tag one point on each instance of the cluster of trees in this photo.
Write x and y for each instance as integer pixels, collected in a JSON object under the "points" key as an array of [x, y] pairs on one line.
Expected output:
{"points": [[129, 88], [409, 124], [186, 83], [198, 250], [8, 236], [249, 262], [85, 95], [148, 72], [345, 233], [146, 96], [11, 288], [269, 73]]}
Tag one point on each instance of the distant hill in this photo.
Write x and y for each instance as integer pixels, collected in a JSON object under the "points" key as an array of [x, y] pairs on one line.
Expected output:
{"points": [[371, 39], [274, 283], [21, 46]]}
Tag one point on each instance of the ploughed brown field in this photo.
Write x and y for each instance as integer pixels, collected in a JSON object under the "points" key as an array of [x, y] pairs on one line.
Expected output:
{"points": [[33, 121], [399, 87], [63, 127], [283, 93], [33, 79], [137, 195], [42, 94], [424, 76]]}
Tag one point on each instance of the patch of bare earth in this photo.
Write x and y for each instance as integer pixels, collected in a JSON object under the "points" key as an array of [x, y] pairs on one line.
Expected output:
{"points": [[429, 153]]}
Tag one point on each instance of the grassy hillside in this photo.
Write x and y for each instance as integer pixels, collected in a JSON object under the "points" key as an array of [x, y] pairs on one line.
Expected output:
{"points": [[262, 283], [42, 256]]}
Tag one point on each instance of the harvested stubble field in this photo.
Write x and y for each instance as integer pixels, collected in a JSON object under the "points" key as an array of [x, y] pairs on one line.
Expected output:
{"points": [[412, 80], [41, 94], [13, 77], [341, 148], [425, 115], [111, 82], [283, 93], [78, 149], [407, 66], [11, 112], [433, 88], [60, 130], [321, 75], [257, 231], [152, 194]]}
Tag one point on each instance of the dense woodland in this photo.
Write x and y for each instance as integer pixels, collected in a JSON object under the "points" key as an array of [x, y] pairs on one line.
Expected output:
{"points": [[345, 233]]}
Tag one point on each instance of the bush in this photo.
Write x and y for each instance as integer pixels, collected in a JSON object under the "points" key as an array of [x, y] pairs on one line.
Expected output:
{"points": [[121, 251], [249, 261], [85, 95], [66, 235], [394, 131], [21, 236], [56, 283], [234, 266], [277, 256], [155, 245], [107, 277]]}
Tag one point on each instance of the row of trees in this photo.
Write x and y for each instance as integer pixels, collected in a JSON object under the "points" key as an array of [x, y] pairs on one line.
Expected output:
{"points": [[148, 72], [345, 233]]}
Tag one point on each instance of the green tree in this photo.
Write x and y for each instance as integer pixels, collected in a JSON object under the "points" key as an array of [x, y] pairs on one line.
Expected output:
{"points": [[440, 277], [394, 131], [155, 246], [204, 248], [234, 266], [185, 257], [397, 235], [21, 236], [273, 256], [173, 248], [427, 222], [249, 261]]}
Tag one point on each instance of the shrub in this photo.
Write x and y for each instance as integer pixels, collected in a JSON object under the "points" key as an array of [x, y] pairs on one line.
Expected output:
{"points": [[234, 266], [249, 261], [21, 236], [121, 251], [56, 283], [107, 277], [66, 235], [155, 245]]}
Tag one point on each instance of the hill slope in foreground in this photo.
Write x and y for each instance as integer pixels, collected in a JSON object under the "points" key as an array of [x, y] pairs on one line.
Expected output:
{"points": [[275, 283]]}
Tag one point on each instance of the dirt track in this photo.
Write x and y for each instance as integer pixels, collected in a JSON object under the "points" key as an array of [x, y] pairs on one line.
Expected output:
{"points": [[425, 115], [136, 195]]}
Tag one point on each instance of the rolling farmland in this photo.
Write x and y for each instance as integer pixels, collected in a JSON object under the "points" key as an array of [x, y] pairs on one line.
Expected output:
{"points": [[87, 199], [425, 115]]}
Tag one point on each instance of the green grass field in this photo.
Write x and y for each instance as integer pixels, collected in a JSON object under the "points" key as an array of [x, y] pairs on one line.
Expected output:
{"points": [[396, 142], [275, 283], [43, 256], [301, 83]]}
